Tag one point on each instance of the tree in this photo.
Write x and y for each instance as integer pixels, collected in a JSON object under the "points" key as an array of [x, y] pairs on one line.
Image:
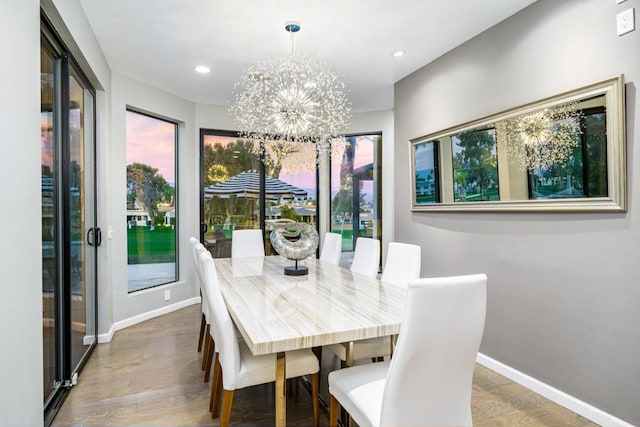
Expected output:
{"points": [[275, 153], [297, 156], [289, 213], [477, 158], [145, 184], [596, 142], [224, 161]]}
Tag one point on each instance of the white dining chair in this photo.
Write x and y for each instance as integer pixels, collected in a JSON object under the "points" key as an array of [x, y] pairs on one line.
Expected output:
{"points": [[366, 257], [236, 367], [205, 338], [203, 321], [331, 248], [246, 243], [403, 263], [442, 329], [365, 261]]}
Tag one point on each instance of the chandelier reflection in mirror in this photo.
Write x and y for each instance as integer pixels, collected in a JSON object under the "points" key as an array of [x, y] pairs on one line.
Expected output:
{"points": [[294, 99], [542, 139]]}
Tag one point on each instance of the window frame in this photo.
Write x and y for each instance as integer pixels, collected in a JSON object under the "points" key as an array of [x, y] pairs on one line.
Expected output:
{"points": [[176, 196]]}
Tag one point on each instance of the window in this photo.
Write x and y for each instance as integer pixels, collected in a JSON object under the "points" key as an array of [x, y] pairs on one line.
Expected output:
{"points": [[232, 198], [151, 201], [475, 166], [293, 163], [584, 172], [427, 184], [356, 189]]}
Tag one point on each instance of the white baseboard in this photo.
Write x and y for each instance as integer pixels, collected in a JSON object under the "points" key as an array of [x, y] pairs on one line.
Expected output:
{"points": [[588, 411], [104, 338]]}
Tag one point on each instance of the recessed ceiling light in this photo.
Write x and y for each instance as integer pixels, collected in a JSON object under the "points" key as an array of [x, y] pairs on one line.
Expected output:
{"points": [[202, 69], [397, 53]]}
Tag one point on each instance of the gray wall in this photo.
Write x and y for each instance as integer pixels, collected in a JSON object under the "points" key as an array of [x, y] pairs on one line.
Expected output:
{"points": [[564, 289], [20, 216]]}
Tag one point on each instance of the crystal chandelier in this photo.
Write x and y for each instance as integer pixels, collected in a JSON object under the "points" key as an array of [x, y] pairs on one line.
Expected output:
{"points": [[294, 99], [542, 139]]}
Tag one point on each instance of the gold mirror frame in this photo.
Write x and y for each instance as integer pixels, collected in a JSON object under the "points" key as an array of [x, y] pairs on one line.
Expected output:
{"points": [[616, 200]]}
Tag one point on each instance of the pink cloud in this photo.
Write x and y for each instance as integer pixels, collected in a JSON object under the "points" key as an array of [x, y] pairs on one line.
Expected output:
{"points": [[151, 141]]}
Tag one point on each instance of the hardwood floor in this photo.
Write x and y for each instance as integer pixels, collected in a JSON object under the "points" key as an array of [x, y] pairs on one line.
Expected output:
{"points": [[150, 375]]}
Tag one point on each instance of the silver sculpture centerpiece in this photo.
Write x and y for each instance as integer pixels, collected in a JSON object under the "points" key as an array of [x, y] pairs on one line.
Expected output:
{"points": [[303, 247]]}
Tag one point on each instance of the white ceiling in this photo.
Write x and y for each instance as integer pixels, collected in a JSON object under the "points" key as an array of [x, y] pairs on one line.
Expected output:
{"points": [[160, 41]]}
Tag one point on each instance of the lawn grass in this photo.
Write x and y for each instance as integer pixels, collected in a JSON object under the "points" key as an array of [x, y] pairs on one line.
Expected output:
{"points": [[149, 247]]}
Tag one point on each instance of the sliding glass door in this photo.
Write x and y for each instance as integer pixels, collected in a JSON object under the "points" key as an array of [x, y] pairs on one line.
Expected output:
{"points": [[80, 184], [69, 235]]}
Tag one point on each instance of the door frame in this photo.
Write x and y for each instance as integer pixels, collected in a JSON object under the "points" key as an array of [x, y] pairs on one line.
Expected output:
{"points": [[65, 371]]}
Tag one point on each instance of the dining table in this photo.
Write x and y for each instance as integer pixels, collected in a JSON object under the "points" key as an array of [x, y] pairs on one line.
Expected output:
{"points": [[276, 313]]}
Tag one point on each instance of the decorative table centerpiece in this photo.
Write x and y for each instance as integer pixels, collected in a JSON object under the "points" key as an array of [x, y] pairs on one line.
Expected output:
{"points": [[304, 246]]}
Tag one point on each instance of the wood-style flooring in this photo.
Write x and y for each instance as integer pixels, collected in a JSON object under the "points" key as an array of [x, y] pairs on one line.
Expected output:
{"points": [[150, 375]]}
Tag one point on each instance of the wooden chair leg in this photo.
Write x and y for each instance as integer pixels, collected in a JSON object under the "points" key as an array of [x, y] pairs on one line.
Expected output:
{"points": [[215, 412], [315, 397], [215, 381], [203, 323], [343, 413], [207, 336], [334, 407], [205, 356], [207, 368], [227, 401]]}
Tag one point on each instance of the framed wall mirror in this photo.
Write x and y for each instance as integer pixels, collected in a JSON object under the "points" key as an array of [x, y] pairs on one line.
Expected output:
{"points": [[560, 154]]}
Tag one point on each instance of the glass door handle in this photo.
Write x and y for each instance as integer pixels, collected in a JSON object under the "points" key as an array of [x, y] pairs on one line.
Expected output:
{"points": [[94, 236]]}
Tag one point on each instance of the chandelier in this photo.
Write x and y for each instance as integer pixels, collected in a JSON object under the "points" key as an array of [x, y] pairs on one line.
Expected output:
{"points": [[293, 99], [542, 139]]}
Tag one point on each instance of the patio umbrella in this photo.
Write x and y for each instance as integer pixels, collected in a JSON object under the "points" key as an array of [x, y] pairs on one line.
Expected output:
{"points": [[247, 185]]}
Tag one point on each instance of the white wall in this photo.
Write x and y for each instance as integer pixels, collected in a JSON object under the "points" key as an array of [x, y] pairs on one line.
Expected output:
{"points": [[126, 92], [213, 117], [21, 398], [563, 291], [80, 39]]}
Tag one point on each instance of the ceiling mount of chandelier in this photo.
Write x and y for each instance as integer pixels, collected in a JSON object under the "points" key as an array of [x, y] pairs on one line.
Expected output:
{"points": [[295, 98]]}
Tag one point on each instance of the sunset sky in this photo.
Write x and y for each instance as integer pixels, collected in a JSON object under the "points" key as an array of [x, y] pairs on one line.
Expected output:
{"points": [[151, 141]]}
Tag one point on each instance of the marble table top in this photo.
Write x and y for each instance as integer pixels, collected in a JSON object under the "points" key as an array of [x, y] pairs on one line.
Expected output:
{"points": [[277, 313]]}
